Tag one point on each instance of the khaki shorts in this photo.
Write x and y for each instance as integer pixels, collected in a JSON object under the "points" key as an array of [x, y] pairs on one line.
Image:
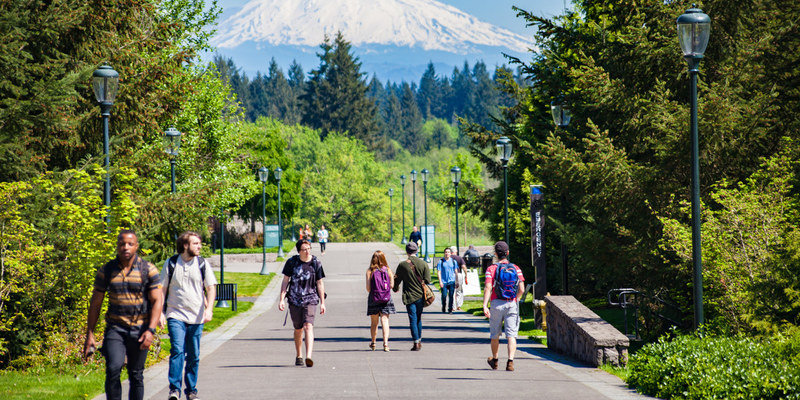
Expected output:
{"points": [[505, 315], [302, 315]]}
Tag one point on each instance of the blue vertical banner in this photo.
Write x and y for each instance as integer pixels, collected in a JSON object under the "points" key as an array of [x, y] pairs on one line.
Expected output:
{"points": [[271, 235], [538, 248]]}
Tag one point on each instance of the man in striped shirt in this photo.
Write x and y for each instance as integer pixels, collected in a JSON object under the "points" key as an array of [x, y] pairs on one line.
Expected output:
{"points": [[134, 308]]}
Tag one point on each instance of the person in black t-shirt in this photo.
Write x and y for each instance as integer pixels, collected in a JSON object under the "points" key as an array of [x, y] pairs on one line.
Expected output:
{"points": [[302, 287]]}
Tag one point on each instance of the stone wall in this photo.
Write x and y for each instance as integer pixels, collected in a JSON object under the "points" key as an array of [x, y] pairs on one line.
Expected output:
{"points": [[574, 330]]}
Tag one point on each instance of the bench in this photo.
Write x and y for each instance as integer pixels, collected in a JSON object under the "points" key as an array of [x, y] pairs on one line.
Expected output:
{"points": [[228, 291]]}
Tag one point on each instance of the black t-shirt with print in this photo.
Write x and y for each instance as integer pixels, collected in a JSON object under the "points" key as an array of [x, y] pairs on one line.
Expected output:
{"points": [[302, 289]]}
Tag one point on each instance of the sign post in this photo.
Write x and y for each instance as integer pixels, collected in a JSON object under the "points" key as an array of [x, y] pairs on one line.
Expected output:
{"points": [[538, 249]]}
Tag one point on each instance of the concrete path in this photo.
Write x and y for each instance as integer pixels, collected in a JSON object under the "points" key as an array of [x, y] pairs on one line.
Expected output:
{"points": [[252, 356]]}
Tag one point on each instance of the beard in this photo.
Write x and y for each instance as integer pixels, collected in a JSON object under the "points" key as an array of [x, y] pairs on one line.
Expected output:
{"points": [[192, 253]]}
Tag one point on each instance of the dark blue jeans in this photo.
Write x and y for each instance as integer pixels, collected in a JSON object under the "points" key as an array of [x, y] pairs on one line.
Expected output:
{"points": [[415, 319], [118, 342], [185, 347], [448, 290]]}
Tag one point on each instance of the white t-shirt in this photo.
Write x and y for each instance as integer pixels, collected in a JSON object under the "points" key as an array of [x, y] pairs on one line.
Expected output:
{"points": [[185, 300]]}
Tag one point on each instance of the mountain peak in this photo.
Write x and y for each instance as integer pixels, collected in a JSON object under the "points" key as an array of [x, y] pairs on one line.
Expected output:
{"points": [[424, 24]]}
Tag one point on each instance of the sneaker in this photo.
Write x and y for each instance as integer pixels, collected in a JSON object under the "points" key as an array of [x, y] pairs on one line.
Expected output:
{"points": [[510, 365], [415, 347], [192, 396], [174, 394], [309, 362], [298, 361], [492, 362]]}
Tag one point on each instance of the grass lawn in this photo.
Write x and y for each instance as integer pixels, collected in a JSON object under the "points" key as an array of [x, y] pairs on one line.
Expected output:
{"points": [[86, 381]]}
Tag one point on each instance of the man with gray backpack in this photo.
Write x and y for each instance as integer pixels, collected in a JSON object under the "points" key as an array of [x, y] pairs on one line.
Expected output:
{"points": [[504, 284], [189, 287]]}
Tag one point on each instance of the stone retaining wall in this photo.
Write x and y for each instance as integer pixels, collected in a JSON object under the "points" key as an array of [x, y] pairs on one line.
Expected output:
{"points": [[574, 330]]}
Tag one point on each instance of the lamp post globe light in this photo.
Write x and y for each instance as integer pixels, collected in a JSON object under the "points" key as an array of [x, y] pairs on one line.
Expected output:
{"points": [[391, 220], [403, 208], [561, 113], [693, 31], [414, 197], [172, 144], [278, 173], [263, 176], [504, 149], [105, 84], [455, 176], [424, 173]]}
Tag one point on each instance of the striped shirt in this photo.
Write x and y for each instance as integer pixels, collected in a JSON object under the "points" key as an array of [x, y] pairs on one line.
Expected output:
{"points": [[128, 304]]}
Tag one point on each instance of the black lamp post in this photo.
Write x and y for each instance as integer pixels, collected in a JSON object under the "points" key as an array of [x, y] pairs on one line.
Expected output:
{"points": [[403, 208], [278, 173], [455, 176], [172, 143], [425, 206], [693, 31], [504, 148], [221, 302], [391, 220], [414, 197], [105, 83], [561, 117], [263, 176]]}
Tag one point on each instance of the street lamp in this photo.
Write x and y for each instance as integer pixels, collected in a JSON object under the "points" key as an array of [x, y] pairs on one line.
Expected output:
{"points": [[561, 117], [391, 221], [504, 148], [105, 83], [278, 174], [172, 143], [693, 31], [425, 204], [263, 175], [561, 113], [403, 208], [455, 176], [414, 196]]}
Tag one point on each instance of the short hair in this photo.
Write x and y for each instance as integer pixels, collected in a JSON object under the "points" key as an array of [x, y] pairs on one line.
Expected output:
{"points": [[127, 232], [300, 243], [183, 240]]}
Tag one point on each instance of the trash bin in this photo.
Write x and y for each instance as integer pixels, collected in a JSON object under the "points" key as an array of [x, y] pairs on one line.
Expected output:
{"points": [[486, 261]]}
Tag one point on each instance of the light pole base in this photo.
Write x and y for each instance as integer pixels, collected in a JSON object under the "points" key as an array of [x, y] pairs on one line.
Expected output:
{"points": [[280, 251], [403, 241], [264, 270], [223, 304]]}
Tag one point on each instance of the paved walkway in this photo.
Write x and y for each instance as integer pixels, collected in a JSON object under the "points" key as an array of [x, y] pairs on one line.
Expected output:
{"points": [[252, 355]]}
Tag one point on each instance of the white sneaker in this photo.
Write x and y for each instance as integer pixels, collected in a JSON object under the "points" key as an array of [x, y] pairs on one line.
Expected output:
{"points": [[174, 394]]}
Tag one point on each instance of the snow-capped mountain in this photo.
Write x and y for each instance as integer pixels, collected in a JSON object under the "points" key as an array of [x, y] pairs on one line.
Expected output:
{"points": [[402, 35]]}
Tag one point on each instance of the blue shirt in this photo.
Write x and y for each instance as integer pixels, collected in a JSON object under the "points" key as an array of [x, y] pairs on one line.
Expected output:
{"points": [[448, 269]]}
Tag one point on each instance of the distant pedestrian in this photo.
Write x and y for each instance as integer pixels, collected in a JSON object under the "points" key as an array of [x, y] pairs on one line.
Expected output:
{"points": [[189, 288], [380, 281], [504, 286], [415, 237], [302, 279], [413, 273], [446, 270], [472, 256], [461, 277], [307, 235], [134, 309], [322, 237]]}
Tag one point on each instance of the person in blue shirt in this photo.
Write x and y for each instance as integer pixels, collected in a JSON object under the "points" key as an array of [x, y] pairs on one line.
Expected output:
{"points": [[447, 269]]}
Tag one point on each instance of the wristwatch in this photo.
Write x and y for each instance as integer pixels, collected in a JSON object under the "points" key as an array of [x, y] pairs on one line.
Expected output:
{"points": [[152, 330]]}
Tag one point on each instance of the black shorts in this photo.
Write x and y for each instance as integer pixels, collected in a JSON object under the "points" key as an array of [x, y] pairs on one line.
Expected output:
{"points": [[302, 315]]}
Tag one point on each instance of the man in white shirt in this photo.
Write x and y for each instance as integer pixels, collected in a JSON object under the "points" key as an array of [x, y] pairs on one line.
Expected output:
{"points": [[189, 289]]}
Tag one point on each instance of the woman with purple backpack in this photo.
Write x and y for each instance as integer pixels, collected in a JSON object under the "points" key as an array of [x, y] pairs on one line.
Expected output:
{"points": [[380, 281]]}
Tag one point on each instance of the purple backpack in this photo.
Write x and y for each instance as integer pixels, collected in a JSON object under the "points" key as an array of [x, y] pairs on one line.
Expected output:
{"points": [[381, 291]]}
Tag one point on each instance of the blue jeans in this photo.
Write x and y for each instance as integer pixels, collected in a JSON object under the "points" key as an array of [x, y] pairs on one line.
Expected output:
{"points": [[415, 319], [185, 341], [118, 342], [448, 290]]}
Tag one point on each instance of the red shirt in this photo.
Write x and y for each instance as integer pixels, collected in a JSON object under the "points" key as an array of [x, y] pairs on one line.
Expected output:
{"points": [[489, 278]]}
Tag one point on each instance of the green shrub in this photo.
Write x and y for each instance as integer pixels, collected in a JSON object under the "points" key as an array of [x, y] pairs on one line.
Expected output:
{"points": [[696, 367]]}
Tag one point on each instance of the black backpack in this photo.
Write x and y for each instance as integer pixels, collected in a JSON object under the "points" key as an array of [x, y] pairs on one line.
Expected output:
{"points": [[201, 263]]}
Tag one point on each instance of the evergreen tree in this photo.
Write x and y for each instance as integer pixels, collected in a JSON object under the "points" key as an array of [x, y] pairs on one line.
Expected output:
{"points": [[411, 121], [336, 99], [279, 93], [297, 82]]}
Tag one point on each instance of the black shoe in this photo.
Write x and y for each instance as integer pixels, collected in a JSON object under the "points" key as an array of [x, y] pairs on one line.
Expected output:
{"points": [[298, 361], [415, 347], [492, 362]]}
